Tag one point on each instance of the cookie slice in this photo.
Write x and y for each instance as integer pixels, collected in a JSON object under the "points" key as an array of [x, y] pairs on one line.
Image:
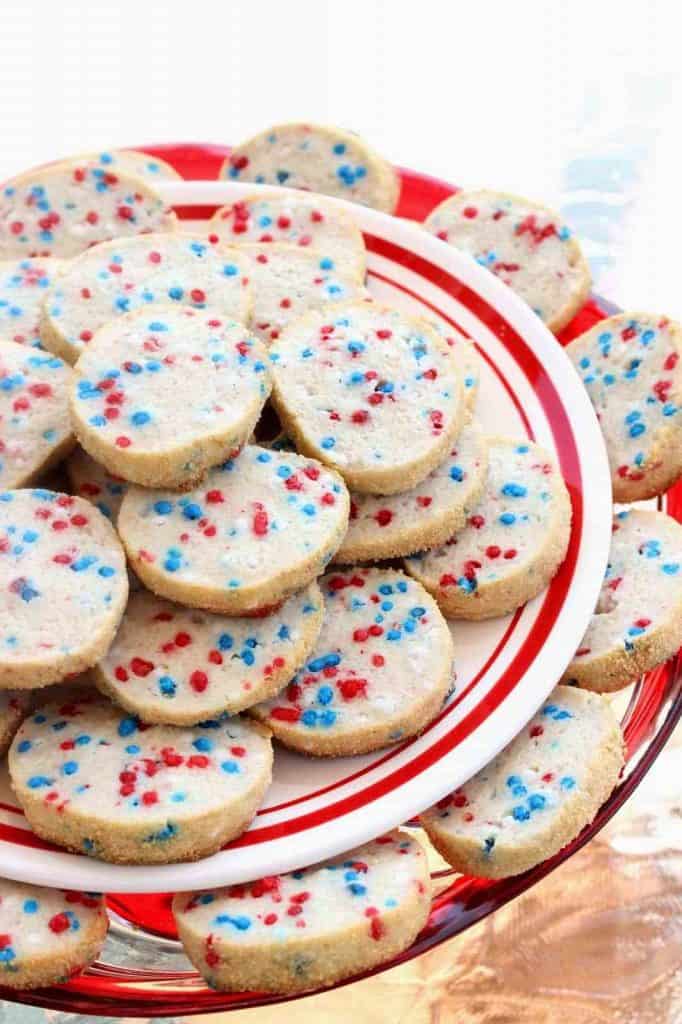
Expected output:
{"points": [[63, 209], [637, 623], [514, 541], [309, 928], [92, 778], [134, 273], [90, 480], [467, 361], [524, 244], [14, 706], [379, 673], [259, 528], [35, 428], [316, 158], [537, 794], [287, 282], [63, 587], [151, 168], [47, 935], [23, 285], [306, 221], [429, 514], [370, 391], [630, 365]]}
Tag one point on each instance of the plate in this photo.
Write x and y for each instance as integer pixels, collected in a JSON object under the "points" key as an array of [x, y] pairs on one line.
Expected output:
{"points": [[505, 668]]}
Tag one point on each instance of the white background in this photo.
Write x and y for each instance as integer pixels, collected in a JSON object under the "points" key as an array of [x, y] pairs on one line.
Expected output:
{"points": [[576, 104]]}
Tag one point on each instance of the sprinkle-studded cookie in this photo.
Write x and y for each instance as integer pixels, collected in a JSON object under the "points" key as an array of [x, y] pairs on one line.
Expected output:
{"points": [[524, 244], [429, 514], [287, 282], [536, 795], [152, 168], [63, 209], [133, 273], [637, 623], [259, 528], [630, 365], [129, 397], [467, 362], [47, 935], [309, 928], [90, 480], [35, 429], [92, 778], [14, 706], [316, 158], [369, 391], [514, 541], [180, 666], [306, 221], [23, 285], [380, 671], [63, 587]]}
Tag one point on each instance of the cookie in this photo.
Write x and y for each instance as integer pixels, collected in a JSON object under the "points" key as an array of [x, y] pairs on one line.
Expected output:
{"points": [[180, 666], [630, 365], [152, 168], [468, 364], [259, 528], [63, 209], [63, 587], [637, 623], [47, 935], [514, 541], [306, 221], [14, 706], [370, 391], [23, 285], [90, 480], [537, 794], [379, 673], [35, 429], [428, 515], [133, 273], [129, 396], [524, 244], [316, 158], [92, 778], [287, 282], [309, 928]]}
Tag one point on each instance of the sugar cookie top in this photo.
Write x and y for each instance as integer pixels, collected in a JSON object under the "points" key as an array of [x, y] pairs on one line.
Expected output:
{"points": [[372, 392], [152, 168], [630, 365], [90, 480], [524, 244], [287, 282], [63, 209], [466, 359], [355, 888], [306, 221], [132, 273], [38, 923], [34, 411], [23, 285]]}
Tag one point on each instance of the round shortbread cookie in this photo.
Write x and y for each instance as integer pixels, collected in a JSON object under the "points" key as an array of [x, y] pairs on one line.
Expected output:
{"points": [[47, 935], [259, 528], [151, 168], [63, 209], [370, 391], [379, 673], [92, 778], [287, 282], [90, 480], [637, 623], [630, 365], [63, 587], [305, 221], [537, 794], [35, 428], [14, 706], [132, 273], [313, 927], [23, 285], [524, 244], [180, 666], [129, 396], [428, 515], [467, 362], [514, 541], [316, 158]]}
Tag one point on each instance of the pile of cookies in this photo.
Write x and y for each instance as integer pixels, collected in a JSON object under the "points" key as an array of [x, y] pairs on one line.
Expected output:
{"points": [[200, 584]]}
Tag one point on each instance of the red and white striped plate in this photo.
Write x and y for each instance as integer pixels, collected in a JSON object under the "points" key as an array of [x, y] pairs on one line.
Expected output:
{"points": [[505, 668]]}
